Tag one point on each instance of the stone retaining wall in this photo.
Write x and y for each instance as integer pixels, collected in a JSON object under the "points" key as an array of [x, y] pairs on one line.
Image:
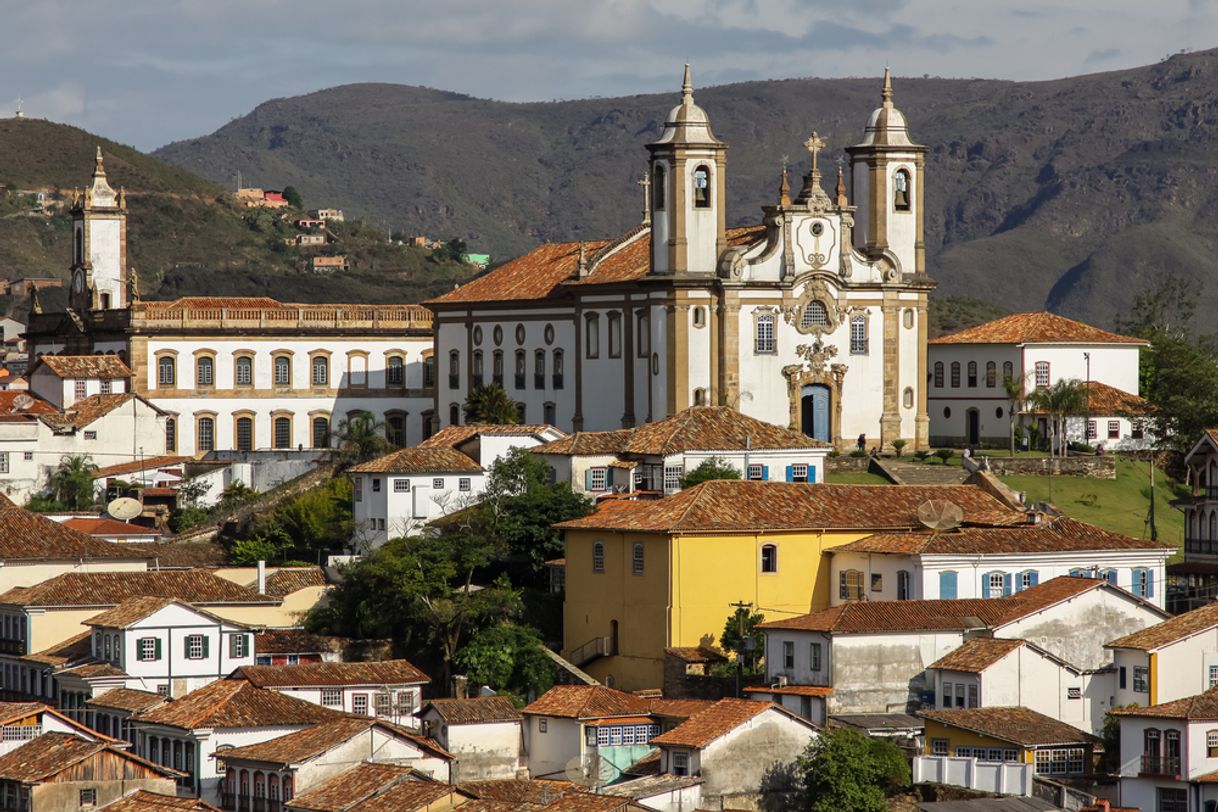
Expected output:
{"points": [[1099, 467]]}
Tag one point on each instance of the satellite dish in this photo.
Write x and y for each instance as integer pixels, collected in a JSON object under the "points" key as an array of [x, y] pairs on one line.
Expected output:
{"points": [[940, 514], [591, 771], [124, 508], [22, 402]]}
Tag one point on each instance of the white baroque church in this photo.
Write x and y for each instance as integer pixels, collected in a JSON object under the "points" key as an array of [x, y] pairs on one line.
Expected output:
{"points": [[815, 319]]}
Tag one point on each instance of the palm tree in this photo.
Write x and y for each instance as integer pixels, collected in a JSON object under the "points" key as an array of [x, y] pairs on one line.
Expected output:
{"points": [[1059, 401], [1016, 395], [360, 438], [489, 404], [72, 481]]}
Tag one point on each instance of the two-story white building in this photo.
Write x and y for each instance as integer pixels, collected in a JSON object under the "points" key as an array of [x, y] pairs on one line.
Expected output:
{"points": [[483, 734], [399, 492], [389, 689], [1169, 755], [1195, 579], [967, 400], [1170, 660], [653, 458]]}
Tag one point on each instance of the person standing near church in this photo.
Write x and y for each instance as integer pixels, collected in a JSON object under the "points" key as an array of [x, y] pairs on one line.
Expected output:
{"points": [[862, 442]]}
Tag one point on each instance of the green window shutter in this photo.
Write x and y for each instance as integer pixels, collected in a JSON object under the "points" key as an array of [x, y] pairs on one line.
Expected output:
{"points": [[156, 649], [205, 640]]}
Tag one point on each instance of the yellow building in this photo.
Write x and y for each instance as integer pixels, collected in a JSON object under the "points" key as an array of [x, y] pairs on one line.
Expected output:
{"points": [[642, 576], [1010, 734]]}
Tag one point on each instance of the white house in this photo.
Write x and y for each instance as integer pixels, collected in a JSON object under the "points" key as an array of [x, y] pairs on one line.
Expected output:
{"points": [[732, 746], [62, 380], [390, 689], [1196, 578], [483, 733], [991, 562], [874, 654], [113, 710], [275, 770], [968, 403], [814, 318], [989, 672], [1169, 754], [401, 491], [653, 457], [1171, 660], [21, 722], [187, 732]]}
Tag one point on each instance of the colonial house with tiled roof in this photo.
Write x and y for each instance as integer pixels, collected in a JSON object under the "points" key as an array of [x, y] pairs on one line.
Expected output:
{"points": [[388, 689], [401, 491], [815, 318], [1168, 661], [293, 645], [1169, 754], [21, 722], [484, 734], [1196, 577], [875, 654], [652, 458], [377, 787], [274, 770], [236, 373], [141, 800], [968, 402], [185, 733]]}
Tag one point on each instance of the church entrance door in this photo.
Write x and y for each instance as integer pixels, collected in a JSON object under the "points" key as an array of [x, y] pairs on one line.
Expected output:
{"points": [[814, 411], [973, 418]]}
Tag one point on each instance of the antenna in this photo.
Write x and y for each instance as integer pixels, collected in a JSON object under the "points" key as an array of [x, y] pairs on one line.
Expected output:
{"points": [[19, 113]]}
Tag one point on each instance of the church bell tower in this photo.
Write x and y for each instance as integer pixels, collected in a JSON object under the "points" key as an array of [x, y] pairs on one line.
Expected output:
{"points": [[99, 245], [688, 179]]}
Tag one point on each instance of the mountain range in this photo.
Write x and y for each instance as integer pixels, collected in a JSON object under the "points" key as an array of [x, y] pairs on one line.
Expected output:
{"points": [[1071, 195]]}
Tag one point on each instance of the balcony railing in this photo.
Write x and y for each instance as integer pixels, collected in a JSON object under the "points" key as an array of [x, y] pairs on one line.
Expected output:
{"points": [[12, 647], [539, 381], [520, 381], [1200, 546], [1160, 765], [557, 380]]}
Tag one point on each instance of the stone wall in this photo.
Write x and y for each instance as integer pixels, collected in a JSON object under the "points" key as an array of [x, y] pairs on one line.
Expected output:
{"points": [[1099, 467]]}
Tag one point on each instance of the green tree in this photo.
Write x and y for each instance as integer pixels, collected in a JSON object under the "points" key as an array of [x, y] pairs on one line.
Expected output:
{"points": [[708, 469], [489, 403], [293, 197], [739, 631], [72, 481], [844, 770], [360, 437], [1016, 395], [510, 659], [452, 250], [1059, 401], [317, 520], [248, 552]]}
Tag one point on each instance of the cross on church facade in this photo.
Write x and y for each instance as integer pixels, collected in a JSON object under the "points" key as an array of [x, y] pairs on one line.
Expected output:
{"points": [[814, 144], [645, 182]]}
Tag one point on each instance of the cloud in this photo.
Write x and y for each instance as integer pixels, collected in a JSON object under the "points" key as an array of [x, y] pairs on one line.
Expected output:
{"points": [[1105, 55]]}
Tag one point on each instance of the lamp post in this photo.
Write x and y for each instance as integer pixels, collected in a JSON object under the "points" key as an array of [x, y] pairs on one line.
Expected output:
{"points": [[1087, 400]]}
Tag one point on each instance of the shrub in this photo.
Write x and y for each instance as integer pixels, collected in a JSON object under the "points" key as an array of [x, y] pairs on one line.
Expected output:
{"points": [[858, 452], [898, 446], [921, 454], [944, 454]]}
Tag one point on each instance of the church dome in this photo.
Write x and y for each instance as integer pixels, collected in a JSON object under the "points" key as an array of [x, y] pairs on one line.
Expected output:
{"points": [[687, 123], [887, 126]]}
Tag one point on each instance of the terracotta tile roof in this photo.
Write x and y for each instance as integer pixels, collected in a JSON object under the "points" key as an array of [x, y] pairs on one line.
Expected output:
{"points": [[186, 554], [1052, 535], [453, 436], [495, 806], [475, 711], [85, 366], [144, 801], [419, 460], [29, 536], [103, 526], [1170, 631], [84, 412], [407, 796], [1012, 724], [516, 790], [587, 702], [284, 582], [147, 464], [791, 690], [1104, 400], [10, 711], [707, 725], [228, 703], [679, 708], [862, 617], [386, 672], [73, 649], [213, 302], [721, 505], [128, 699], [1201, 707], [350, 787], [1208, 778], [695, 654], [579, 801], [1040, 327], [296, 641], [53, 752], [302, 745], [112, 588], [542, 272], [977, 654], [133, 610], [95, 669], [18, 405], [698, 428]]}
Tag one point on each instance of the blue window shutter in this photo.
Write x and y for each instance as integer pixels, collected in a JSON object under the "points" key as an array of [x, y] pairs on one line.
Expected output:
{"points": [[1076, 573], [1137, 582], [811, 473], [1111, 575], [1033, 577], [947, 585], [587, 479], [1006, 584], [1150, 583], [765, 473], [985, 585], [790, 473]]}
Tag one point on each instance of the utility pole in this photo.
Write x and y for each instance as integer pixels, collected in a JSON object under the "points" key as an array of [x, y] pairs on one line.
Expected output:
{"points": [[741, 613], [1087, 402], [1154, 531]]}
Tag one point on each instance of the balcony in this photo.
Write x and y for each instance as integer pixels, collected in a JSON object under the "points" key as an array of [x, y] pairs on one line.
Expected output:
{"points": [[539, 381], [454, 381], [1195, 546], [557, 380], [520, 380], [1167, 766], [12, 647]]}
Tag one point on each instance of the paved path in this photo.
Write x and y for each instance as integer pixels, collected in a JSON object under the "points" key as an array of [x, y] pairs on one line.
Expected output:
{"points": [[913, 473]]}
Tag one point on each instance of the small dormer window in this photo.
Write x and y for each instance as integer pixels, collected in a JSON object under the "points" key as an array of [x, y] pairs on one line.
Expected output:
{"points": [[902, 190], [702, 192]]}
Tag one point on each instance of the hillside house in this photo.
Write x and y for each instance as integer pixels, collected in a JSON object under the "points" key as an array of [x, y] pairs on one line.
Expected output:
{"points": [[1172, 660], [484, 735], [390, 690], [1169, 754]]}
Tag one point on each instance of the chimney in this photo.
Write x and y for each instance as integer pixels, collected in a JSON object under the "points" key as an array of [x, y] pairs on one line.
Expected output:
{"points": [[460, 686], [261, 577]]}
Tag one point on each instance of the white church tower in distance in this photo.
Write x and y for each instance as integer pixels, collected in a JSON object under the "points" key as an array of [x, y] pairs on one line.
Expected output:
{"points": [[99, 245]]}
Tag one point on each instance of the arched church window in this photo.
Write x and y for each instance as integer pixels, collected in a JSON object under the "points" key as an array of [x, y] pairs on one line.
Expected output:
{"points": [[80, 247], [477, 367], [972, 373], [938, 374], [991, 374], [171, 435], [902, 190], [165, 372], [497, 368], [1008, 370], [592, 335], [908, 316], [955, 374], [815, 315], [699, 397], [657, 187], [702, 192], [699, 317], [764, 341], [907, 397]]}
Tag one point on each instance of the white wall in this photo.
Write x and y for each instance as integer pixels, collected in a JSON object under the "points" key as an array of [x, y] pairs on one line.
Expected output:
{"points": [[551, 752]]}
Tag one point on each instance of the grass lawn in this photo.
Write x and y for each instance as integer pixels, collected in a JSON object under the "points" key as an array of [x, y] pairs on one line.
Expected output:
{"points": [[855, 478], [1118, 505]]}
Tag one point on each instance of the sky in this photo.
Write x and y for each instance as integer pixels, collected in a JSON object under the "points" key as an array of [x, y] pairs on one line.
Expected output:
{"points": [[148, 72]]}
